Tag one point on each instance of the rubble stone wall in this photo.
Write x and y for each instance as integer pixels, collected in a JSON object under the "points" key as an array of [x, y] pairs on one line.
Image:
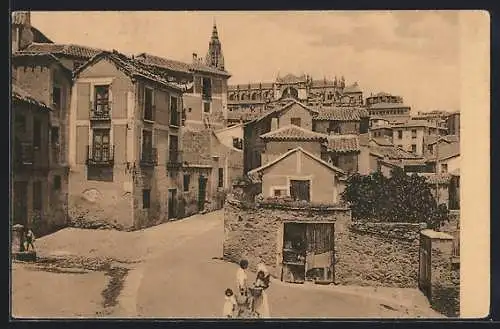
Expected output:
{"points": [[366, 254]]}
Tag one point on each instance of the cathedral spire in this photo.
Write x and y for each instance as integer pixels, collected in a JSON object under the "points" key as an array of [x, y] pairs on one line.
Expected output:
{"points": [[214, 56]]}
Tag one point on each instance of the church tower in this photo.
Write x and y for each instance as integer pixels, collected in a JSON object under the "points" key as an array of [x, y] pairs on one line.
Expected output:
{"points": [[214, 56]]}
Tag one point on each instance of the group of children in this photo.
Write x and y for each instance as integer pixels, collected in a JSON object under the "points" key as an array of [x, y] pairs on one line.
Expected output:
{"points": [[250, 300]]}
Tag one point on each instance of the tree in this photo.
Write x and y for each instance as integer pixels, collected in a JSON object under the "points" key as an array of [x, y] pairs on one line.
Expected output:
{"points": [[400, 198]]}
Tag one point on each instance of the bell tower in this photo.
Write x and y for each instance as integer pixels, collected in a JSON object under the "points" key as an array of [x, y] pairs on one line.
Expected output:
{"points": [[214, 56]]}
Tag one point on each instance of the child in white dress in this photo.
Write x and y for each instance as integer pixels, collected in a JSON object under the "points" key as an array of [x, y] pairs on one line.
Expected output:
{"points": [[229, 304]]}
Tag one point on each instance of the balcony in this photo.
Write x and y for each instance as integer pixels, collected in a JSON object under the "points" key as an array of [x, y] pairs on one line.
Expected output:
{"points": [[104, 156], [174, 160], [100, 112], [149, 157]]}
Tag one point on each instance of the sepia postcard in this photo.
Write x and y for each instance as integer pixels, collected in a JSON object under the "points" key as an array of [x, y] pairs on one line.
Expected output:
{"points": [[249, 165]]}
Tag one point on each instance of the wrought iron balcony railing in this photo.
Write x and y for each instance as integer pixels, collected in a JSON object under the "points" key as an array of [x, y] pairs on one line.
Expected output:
{"points": [[149, 157], [100, 112], [174, 159], [101, 156]]}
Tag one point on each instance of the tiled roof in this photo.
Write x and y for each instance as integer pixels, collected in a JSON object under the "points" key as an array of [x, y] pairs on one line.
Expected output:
{"points": [[385, 105], [20, 94], [433, 178], [391, 152], [382, 93], [284, 107], [292, 132], [354, 88], [342, 143], [30, 56], [446, 151], [255, 173], [383, 141], [178, 66], [79, 51], [339, 114], [134, 68], [432, 139]]}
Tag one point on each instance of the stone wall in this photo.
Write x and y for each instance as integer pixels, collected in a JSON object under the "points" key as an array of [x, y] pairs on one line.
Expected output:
{"points": [[366, 254], [378, 254], [253, 232]]}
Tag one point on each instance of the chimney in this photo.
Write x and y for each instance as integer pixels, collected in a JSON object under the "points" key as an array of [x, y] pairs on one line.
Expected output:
{"points": [[274, 124], [195, 58]]}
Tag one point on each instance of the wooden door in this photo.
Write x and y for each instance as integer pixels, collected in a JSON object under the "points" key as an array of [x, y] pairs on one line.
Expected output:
{"points": [[320, 254], [172, 203], [202, 190], [424, 273]]}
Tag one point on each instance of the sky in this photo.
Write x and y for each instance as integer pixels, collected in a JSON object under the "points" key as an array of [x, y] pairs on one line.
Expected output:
{"points": [[413, 54]]}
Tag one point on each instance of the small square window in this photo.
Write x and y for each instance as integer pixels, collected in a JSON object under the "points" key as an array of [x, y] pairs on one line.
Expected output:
{"points": [[146, 195], [277, 192]]}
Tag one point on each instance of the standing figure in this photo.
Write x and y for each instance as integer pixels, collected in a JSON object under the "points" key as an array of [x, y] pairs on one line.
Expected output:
{"points": [[260, 302], [230, 304], [242, 288], [30, 239]]}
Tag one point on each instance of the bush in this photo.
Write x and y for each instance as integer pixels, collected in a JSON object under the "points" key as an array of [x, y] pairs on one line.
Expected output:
{"points": [[400, 198]]}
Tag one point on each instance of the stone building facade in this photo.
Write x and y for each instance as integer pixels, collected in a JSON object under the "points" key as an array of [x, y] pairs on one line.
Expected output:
{"points": [[388, 106], [42, 77], [125, 122]]}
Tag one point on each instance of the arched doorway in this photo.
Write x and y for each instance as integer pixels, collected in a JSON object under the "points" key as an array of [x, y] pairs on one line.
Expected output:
{"points": [[290, 92]]}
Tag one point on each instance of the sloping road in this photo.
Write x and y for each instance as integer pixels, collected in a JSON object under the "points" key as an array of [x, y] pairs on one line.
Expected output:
{"points": [[186, 279]]}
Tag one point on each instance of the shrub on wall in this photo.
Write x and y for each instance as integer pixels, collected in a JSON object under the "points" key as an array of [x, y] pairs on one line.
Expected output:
{"points": [[400, 198]]}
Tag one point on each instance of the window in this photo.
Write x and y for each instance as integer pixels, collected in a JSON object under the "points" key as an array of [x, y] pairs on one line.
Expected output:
{"points": [[206, 107], [206, 88], [414, 133], [37, 133], [146, 201], [279, 192], [56, 97], [54, 131], [174, 112], [295, 121], [148, 104], [400, 134], [57, 182], [430, 149], [221, 177], [173, 147], [300, 190], [20, 123], [101, 145], [444, 168], [101, 99], [187, 180], [147, 145], [414, 148], [400, 146], [335, 160], [37, 196], [237, 143]]}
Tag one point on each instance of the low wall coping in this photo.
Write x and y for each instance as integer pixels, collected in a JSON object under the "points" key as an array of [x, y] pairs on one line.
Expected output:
{"points": [[436, 235]]}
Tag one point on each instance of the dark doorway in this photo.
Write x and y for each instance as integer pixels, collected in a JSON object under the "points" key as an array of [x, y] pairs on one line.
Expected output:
{"points": [[172, 203], [202, 191], [20, 203], [308, 253]]}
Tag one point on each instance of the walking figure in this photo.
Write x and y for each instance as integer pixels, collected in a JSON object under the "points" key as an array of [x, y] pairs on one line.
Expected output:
{"points": [[30, 239], [242, 289]]}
